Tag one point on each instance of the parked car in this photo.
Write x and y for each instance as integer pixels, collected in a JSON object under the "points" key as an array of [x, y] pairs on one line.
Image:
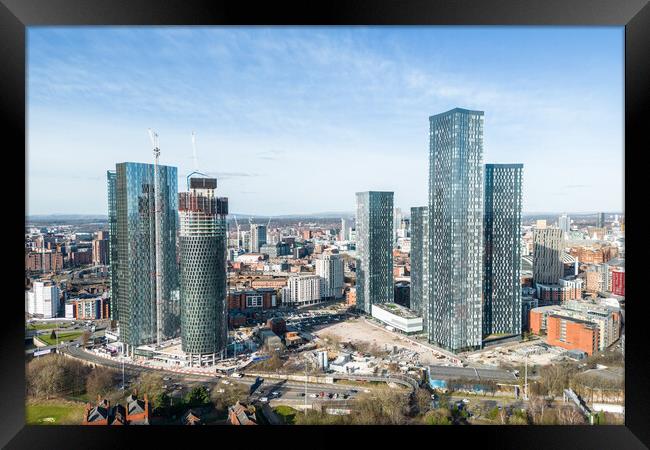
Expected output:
{"points": [[313, 395], [264, 399]]}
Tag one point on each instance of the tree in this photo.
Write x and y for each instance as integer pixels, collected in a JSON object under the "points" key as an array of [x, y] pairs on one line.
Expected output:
{"points": [[422, 400], [85, 337], [151, 384], [569, 415], [198, 396], [53, 335], [162, 402], [47, 376], [100, 382], [440, 416], [231, 394]]}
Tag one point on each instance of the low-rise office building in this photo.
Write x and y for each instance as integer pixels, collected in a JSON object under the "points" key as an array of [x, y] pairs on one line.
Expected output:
{"points": [[397, 316]]}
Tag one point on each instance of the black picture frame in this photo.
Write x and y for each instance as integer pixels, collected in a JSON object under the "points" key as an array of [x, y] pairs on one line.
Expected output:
{"points": [[16, 15]]}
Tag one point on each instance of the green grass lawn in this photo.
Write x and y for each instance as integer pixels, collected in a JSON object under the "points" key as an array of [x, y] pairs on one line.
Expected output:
{"points": [[287, 413], [63, 336], [54, 412], [47, 325]]}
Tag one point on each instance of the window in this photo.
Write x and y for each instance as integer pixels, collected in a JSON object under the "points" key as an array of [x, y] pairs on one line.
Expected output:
{"points": [[254, 301]]}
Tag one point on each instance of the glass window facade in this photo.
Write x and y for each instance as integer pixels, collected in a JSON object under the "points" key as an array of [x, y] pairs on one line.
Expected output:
{"points": [[134, 264], [419, 263], [456, 229], [374, 234], [112, 241], [203, 254], [502, 253]]}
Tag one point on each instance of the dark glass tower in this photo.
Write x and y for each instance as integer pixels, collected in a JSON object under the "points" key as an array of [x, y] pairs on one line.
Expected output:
{"points": [[374, 265], [112, 241], [419, 262], [456, 229], [502, 254], [133, 265], [203, 254]]}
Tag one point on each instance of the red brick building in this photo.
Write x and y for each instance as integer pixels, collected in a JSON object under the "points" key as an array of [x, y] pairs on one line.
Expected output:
{"points": [[263, 298], [618, 282], [44, 262], [572, 334]]}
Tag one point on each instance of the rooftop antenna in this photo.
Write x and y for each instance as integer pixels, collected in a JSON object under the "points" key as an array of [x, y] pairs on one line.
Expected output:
{"points": [[158, 225]]}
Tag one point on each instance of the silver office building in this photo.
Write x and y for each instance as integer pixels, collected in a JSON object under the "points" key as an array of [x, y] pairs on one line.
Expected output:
{"points": [[502, 251], [456, 229], [374, 235]]}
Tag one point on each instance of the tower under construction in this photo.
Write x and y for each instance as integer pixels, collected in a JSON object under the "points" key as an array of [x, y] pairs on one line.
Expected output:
{"points": [[203, 254]]}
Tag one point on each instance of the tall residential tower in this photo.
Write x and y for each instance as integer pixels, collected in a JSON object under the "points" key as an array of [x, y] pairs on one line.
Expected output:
{"points": [[419, 262], [374, 236], [132, 225], [502, 254], [456, 229], [202, 248]]}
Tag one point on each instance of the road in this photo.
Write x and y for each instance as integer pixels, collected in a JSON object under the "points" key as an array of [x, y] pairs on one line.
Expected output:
{"points": [[289, 390]]}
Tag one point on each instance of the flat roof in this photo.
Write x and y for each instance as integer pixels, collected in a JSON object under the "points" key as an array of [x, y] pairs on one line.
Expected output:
{"points": [[471, 373], [397, 310]]}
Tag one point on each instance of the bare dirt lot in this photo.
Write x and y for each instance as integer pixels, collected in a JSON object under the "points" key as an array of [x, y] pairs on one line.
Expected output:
{"points": [[358, 330]]}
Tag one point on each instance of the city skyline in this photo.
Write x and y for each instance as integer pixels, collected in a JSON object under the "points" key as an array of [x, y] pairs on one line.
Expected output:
{"points": [[374, 88]]}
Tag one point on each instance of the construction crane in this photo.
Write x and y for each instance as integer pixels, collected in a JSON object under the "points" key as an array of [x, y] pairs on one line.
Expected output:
{"points": [[194, 158], [158, 225]]}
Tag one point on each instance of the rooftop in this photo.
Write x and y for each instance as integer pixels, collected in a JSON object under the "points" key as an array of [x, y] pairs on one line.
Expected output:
{"points": [[397, 310], [471, 373]]}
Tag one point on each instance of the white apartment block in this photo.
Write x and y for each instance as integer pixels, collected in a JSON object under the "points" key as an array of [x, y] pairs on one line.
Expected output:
{"points": [[302, 290], [330, 270], [43, 299]]}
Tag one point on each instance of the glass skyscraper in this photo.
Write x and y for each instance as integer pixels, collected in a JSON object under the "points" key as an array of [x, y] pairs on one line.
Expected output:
{"points": [[374, 236], [202, 251], [548, 267], [112, 242], [133, 265], [502, 254], [419, 262], [456, 229]]}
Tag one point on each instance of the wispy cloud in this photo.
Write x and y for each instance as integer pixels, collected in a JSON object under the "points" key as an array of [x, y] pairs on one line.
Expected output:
{"points": [[353, 101]]}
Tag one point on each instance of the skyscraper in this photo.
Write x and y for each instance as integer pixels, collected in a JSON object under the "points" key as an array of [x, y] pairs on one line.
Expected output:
{"points": [[374, 234], [456, 229], [202, 248], [419, 262], [345, 230], [397, 222], [133, 265], [564, 223], [112, 242], [257, 237], [502, 254], [601, 220], [329, 267], [547, 255]]}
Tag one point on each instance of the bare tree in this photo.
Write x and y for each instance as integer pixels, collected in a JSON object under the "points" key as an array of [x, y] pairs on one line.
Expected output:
{"points": [[85, 337], [569, 415], [100, 382]]}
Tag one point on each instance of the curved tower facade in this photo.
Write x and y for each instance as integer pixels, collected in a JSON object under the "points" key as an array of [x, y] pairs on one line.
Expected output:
{"points": [[203, 253]]}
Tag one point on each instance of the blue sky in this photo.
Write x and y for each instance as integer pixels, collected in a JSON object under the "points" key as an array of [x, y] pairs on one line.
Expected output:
{"points": [[298, 119]]}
